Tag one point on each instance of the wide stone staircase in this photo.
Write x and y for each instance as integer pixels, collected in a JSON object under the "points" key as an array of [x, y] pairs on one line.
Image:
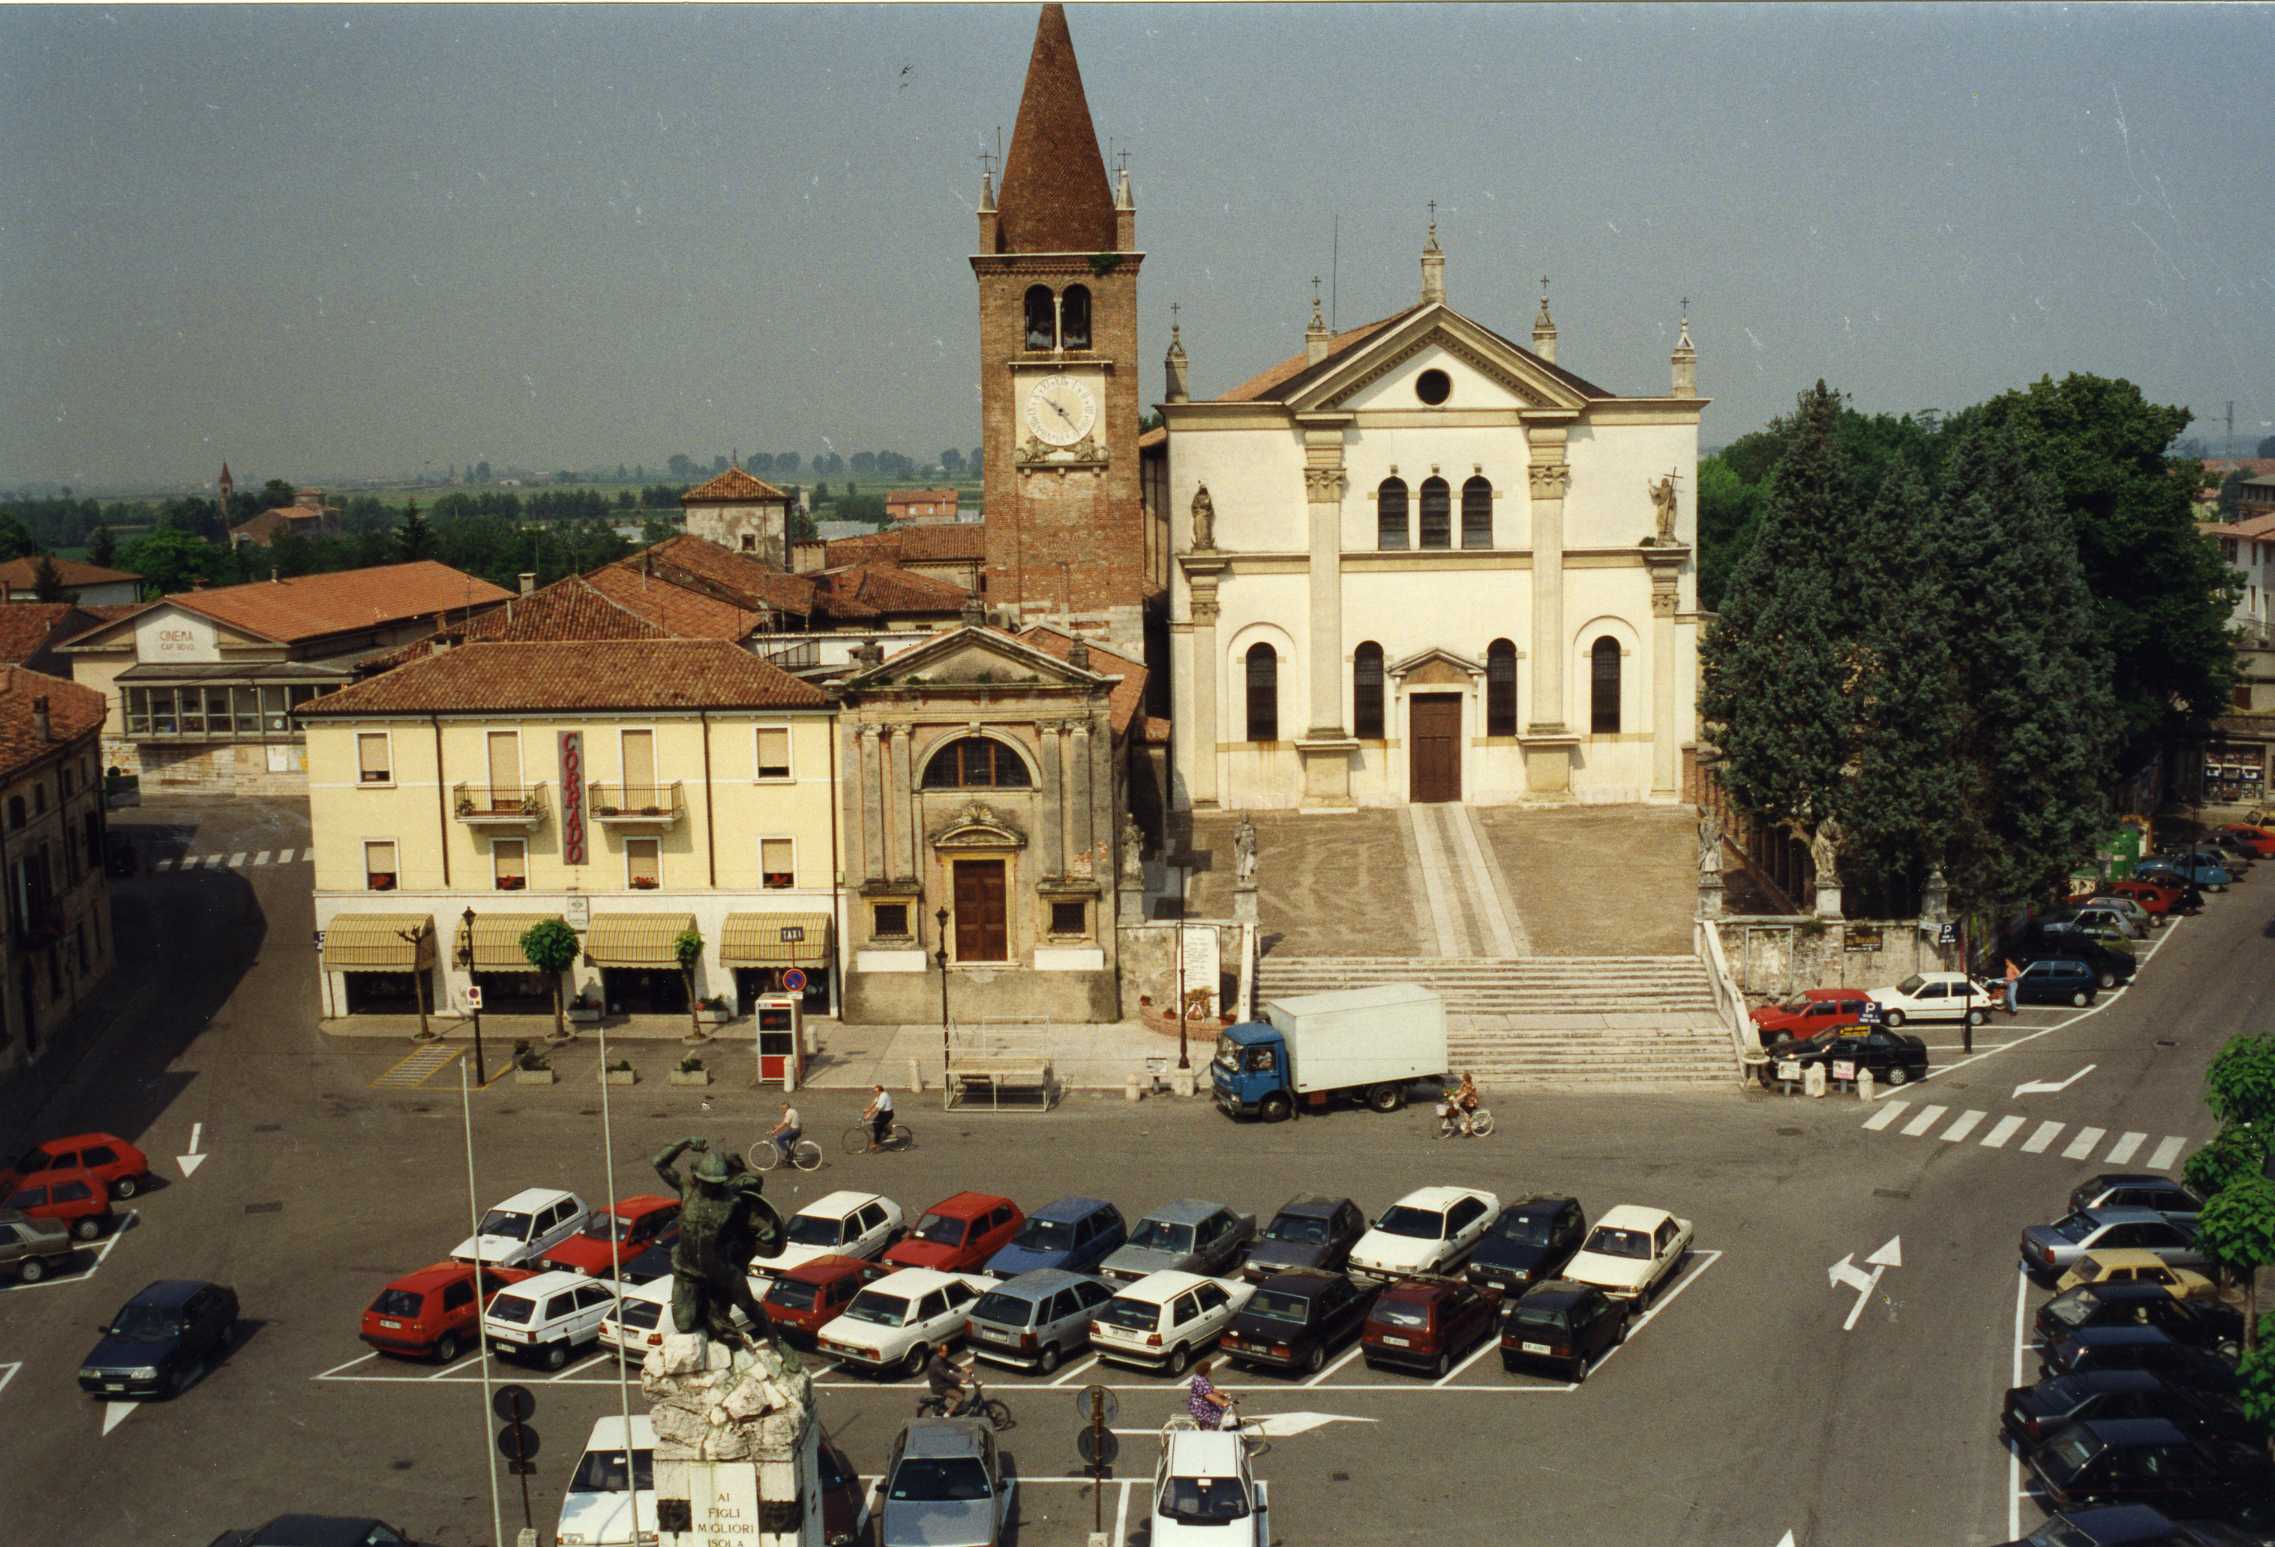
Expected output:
{"points": [[1600, 1022]]}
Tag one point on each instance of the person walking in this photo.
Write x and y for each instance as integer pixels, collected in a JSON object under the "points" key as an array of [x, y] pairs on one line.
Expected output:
{"points": [[2013, 979]]}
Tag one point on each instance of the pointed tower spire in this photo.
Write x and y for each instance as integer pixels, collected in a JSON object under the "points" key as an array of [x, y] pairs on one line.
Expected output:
{"points": [[1685, 359], [1433, 263], [1125, 205], [1055, 197], [1316, 337], [1544, 327], [1173, 364]]}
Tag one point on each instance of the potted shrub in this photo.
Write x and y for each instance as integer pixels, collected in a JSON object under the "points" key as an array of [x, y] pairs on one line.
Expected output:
{"points": [[643, 883], [551, 947], [512, 883], [714, 1011], [532, 1066], [619, 1073], [691, 1071]]}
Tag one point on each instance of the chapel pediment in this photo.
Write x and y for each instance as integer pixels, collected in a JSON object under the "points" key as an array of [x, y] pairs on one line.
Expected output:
{"points": [[1438, 336], [971, 656], [1436, 666]]}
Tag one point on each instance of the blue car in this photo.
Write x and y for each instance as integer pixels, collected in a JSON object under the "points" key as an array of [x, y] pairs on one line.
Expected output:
{"points": [[2211, 877], [1071, 1234]]}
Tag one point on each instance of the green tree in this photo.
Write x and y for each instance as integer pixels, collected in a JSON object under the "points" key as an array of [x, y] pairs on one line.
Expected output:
{"points": [[2236, 1150], [16, 540], [551, 947], [2255, 1381], [681, 468], [170, 559], [2266, 446], [2229, 506], [414, 539], [2237, 1230], [102, 547], [687, 950], [47, 581], [274, 495], [2239, 1085], [1729, 512]]}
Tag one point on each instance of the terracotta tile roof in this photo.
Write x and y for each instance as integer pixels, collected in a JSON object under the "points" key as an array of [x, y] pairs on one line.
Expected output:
{"points": [[913, 545], [871, 590], [1054, 197], [111, 612], [312, 606], [922, 497], [23, 574], [702, 565], [732, 487], [629, 674], [29, 629], [2218, 468], [671, 607], [1158, 435], [73, 711], [1128, 697], [1278, 383], [565, 610], [2259, 528]]}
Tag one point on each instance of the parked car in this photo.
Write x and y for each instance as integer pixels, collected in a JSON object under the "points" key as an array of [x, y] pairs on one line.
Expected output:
{"points": [[640, 1317], [1561, 1323], [1893, 1057], [524, 1227], [844, 1497], [2137, 1190], [1430, 1230], [2201, 1325], [2237, 865], [2057, 980], [2110, 925], [2163, 899], [1298, 1317], [1165, 1318], [605, 1495], [432, 1313], [1935, 996], [2140, 1348], [1309, 1231], [1205, 1495], [73, 1199], [1426, 1324], [32, 1248], [2131, 1525], [1812, 1011], [2209, 875], [1190, 1235], [118, 1165], [2050, 1250], [318, 1531], [2258, 842], [813, 1294], [2031, 1413], [2113, 965], [2129, 1265], [1632, 1253], [168, 1335], [547, 1317], [837, 1224], [1528, 1243], [958, 1234], [1073, 1235], [2131, 907], [896, 1322], [1036, 1319], [2148, 1461], [615, 1235], [944, 1486], [655, 1263], [2237, 854]]}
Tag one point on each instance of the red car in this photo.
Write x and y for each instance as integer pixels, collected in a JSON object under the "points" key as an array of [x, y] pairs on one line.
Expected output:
{"points": [[842, 1493], [75, 1199], [817, 1292], [616, 1235], [1817, 1009], [2153, 896], [2258, 842], [1426, 1324], [431, 1313], [959, 1234], [118, 1165]]}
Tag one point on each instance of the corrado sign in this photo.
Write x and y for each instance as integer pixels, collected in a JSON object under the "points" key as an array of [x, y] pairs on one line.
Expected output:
{"points": [[572, 797]]}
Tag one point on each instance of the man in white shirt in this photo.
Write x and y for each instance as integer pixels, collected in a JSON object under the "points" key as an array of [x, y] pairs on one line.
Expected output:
{"points": [[786, 1132], [879, 1115]]}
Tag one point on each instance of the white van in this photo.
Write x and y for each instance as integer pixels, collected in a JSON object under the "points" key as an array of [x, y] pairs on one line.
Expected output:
{"points": [[546, 1318], [598, 1508]]}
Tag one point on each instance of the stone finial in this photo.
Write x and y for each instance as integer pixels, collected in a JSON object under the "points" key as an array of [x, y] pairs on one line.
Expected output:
{"points": [[1122, 198], [1078, 653], [1685, 359], [974, 612], [1173, 363], [1433, 262], [1544, 327], [1316, 337]]}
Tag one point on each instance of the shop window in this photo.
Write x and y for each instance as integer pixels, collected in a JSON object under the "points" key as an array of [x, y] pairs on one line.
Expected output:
{"points": [[1437, 514], [275, 711], [1501, 688], [138, 711], [1390, 514], [217, 711], [1070, 918], [1366, 692], [1603, 703], [644, 863], [162, 711], [1074, 317], [1042, 322], [1477, 514], [379, 866], [247, 702], [509, 863], [373, 762], [777, 865], [889, 921], [975, 762], [1263, 693], [193, 712], [774, 751]]}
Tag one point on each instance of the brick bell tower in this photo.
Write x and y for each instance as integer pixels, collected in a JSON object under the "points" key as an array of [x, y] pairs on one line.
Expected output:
{"points": [[1057, 268]]}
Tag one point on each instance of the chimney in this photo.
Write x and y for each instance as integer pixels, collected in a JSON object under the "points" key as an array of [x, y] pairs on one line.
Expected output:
{"points": [[1078, 654], [43, 729], [528, 579], [974, 612]]}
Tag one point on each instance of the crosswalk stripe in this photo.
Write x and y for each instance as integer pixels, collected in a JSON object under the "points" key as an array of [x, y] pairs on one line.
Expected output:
{"points": [[1962, 1126], [213, 861], [2003, 1131], [284, 856], [1927, 1119], [1889, 1110], [164, 864], [261, 858], [2123, 1149], [236, 859], [2043, 1136], [2167, 1153], [2083, 1144]]}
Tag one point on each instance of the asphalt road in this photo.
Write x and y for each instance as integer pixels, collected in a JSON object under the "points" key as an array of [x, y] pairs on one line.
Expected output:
{"points": [[1742, 1409]]}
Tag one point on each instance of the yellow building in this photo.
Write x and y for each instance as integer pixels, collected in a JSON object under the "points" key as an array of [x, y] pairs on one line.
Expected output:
{"points": [[56, 943], [634, 788]]}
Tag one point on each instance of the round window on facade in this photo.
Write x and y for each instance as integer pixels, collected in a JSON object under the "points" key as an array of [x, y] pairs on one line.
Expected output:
{"points": [[1433, 387]]}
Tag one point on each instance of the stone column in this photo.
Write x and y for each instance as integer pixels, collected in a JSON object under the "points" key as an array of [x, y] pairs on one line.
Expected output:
{"points": [[1050, 748], [1666, 744], [1548, 739], [1202, 730], [904, 792], [1323, 492], [868, 767], [1082, 794]]}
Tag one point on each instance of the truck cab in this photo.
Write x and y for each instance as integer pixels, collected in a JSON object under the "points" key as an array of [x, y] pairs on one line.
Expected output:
{"points": [[1250, 1071]]}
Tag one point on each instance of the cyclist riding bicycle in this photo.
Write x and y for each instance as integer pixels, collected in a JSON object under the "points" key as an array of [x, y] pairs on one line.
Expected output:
{"points": [[1460, 1107], [785, 1133], [946, 1380], [878, 1115]]}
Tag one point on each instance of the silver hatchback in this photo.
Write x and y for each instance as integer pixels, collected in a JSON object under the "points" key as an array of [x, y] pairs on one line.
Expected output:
{"points": [[2049, 1250], [944, 1487], [1036, 1319]]}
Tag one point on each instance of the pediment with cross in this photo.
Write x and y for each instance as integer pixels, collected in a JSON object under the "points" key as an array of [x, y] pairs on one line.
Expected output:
{"points": [[1485, 369]]}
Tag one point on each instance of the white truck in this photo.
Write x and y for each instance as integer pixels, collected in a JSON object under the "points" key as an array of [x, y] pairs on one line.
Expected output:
{"points": [[1358, 1044]]}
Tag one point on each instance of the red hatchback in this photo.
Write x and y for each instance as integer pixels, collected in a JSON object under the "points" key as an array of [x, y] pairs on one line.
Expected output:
{"points": [[2258, 842], [959, 1234], [2153, 896], [431, 1313], [1426, 1324], [74, 1199], [803, 1300], [1817, 1009], [616, 1235], [118, 1165]]}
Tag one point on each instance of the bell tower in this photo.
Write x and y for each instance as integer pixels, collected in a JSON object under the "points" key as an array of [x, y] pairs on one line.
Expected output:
{"points": [[1057, 267]]}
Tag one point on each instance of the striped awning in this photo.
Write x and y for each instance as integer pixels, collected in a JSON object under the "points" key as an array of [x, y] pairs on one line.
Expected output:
{"points": [[758, 940], [497, 940], [379, 942], [636, 939]]}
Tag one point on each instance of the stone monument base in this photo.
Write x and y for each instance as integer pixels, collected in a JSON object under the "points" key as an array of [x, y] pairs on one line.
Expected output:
{"points": [[737, 1460]]}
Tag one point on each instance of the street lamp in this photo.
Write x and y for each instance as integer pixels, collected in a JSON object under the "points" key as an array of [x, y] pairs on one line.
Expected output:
{"points": [[466, 960], [940, 954]]}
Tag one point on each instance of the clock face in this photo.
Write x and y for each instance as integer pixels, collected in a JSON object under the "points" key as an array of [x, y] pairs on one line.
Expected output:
{"points": [[1060, 410]]}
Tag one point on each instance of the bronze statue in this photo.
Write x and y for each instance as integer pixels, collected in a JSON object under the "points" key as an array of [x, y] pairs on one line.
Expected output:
{"points": [[724, 1220]]}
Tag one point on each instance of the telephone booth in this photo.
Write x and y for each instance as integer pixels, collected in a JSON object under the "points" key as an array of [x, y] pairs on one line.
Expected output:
{"points": [[781, 1020]]}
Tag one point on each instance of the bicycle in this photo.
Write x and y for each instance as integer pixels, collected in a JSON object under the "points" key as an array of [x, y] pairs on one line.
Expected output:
{"points": [[765, 1154], [1252, 1440], [1479, 1126], [897, 1137], [976, 1403]]}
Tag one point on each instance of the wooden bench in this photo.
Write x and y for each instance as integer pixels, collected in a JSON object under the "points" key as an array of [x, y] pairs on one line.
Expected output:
{"points": [[1001, 1081]]}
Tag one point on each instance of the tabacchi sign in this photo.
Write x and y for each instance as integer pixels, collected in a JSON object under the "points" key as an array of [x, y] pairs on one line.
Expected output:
{"points": [[572, 797]]}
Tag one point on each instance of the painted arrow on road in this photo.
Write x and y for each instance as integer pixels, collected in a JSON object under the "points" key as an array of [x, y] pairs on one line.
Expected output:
{"points": [[2049, 1087], [190, 1162], [1847, 1272]]}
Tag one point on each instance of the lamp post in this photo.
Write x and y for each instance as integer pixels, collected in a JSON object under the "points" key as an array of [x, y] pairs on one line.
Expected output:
{"points": [[940, 954], [466, 960], [1184, 1010]]}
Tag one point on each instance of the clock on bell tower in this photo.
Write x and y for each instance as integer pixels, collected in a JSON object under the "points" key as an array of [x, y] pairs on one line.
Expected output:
{"points": [[1057, 270]]}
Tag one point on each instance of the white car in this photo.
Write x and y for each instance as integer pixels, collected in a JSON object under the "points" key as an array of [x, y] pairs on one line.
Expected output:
{"points": [[1166, 1318], [524, 1228], [1936, 996], [598, 1508], [1204, 1494], [841, 1224], [641, 1319], [547, 1318], [1632, 1253], [896, 1322], [1430, 1230]]}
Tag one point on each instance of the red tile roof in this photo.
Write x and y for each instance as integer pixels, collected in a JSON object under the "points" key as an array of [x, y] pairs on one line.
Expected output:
{"points": [[629, 675], [732, 487], [565, 610], [23, 574], [913, 545], [73, 711], [872, 590], [312, 606], [702, 565], [1123, 704], [1054, 196], [948, 497], [673, 608], [29, 629]]}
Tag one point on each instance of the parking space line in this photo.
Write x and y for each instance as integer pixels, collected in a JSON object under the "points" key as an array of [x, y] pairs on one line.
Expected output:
{"points": [[1706, 1260], [1963, 1125], [1351, 1353], [1122, 1514], [453, 1378], [1485, 1345], [2083, 1144], [459, 1363], [1886, 1114], [2002, 1131], [126, 1223], [351, 1364], [2042, 1136], [2167, 1152], [576, 1368], [2123, 1150], [1072, 1370], [2014, 1457], [8, 1373], [1928, 1118]]}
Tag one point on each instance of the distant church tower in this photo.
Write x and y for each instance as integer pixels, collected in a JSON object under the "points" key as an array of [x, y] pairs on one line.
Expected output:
{"points": [[227, 486], [1057, 270]]}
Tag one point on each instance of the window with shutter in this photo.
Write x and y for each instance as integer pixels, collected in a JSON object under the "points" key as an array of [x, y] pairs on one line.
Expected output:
{"points": [[509, 863], [1366, 692], [643, 863], [379, 866], [774, 752], [776, 865], [1390, 514], [372, 759], [1501, 688], [1437, 514], [1477, 513]]}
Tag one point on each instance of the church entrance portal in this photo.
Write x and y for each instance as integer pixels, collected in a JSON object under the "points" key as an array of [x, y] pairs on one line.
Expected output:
{"points": [[982, 926], [1434, 758]]}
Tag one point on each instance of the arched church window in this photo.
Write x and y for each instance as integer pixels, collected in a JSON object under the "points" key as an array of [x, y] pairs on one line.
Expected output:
{"points": [[1042, 324], [1263, 693], [1500, 688], [1437, 514], [1074, 317], [1477, 513], [976, 763], [1366, 692], [1603, 702], [1390, 514]]}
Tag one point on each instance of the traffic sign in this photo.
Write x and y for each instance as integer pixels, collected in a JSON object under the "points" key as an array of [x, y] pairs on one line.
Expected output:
{"points": [[794, 980], [473, 997], [1098, 1447], [513, 1404], [517, 1442], [1095, 1404], [1947, 935]]}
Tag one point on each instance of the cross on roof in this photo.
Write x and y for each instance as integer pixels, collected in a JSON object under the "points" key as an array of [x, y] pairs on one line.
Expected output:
{"points": [[987, 161], [1433, 212], [1686, 306], [1173, 314]]}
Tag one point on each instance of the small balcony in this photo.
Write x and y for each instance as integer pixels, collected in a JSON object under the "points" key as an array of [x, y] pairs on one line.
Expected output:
{"points": [[512, 808], [636, 805]]}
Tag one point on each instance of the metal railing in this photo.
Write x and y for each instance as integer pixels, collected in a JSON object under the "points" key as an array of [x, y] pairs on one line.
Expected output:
{"points": [[635, 800], [477, 801], [1729, 1003]]}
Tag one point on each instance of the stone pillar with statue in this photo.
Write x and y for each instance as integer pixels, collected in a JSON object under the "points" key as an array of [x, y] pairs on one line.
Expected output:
{"points": [[1244, 871]]}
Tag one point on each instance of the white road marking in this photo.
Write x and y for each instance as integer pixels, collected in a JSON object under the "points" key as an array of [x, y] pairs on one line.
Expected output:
{"points": [[1485, 1345], [1122, 1514], [284, 856], [101, 1252], [8, 1373], [582, 1364], [213, 861], [2123, 1149], [164, 864], [1886, 1115], [236, 859], [2052, 1087], [459, 1363], [116, 1413], [2000, 1132], [1963, 1125], [2083, 1144], [1928, 1118], [1706, 1260], [351, 1364], [2014, 1457], [261, 859], [1355, 1350], [1072, 1370], [2042, 1136], [2167, 1152]]}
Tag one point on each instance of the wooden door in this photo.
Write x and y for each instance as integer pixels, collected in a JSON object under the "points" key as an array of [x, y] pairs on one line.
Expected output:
{"points": [[983, 931], [1434, 747]]}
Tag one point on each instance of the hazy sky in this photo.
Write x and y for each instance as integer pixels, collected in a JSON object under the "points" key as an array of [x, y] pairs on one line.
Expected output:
{"points": [[327, 242]]}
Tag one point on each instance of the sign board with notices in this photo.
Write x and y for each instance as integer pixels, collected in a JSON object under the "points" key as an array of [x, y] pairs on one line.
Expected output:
{"points": [[1844, 1069], [1789, 1068], [1860, 937], [1870, 1014]]}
